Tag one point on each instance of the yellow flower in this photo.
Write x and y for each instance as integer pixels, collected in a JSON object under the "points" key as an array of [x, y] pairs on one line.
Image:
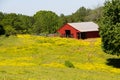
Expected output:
{"points": [[54, 64]]}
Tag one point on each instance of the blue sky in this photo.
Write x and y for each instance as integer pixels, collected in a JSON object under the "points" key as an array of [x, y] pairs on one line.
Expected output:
{"points": [[30, 7]]}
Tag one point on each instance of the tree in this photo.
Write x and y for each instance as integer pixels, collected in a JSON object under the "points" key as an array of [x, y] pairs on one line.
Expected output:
{"points": [[45, 22], [110, 27], [9, 30], [2, 31], [1, 16], [63, 20], [9, 19], [94, 15], [26, 23], [21, 23], [12, 21], [80, 14]]}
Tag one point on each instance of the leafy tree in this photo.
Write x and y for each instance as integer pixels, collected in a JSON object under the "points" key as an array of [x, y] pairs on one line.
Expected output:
{"points": [[70, 19], [110, 27], [20, 23], [45, 22], [26, 23], [1, 16], [37, 29], [2, 31], [9, 19], [94, 15], [12, 20], [9, 30], [63, 19], [80, 14]]}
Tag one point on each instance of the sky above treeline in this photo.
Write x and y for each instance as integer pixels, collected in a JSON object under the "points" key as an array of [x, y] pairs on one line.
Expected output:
{"points": [[30, 7]]}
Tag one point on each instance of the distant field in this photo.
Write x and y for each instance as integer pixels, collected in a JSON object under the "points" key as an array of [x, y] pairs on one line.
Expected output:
{"points": [[28, 57]]}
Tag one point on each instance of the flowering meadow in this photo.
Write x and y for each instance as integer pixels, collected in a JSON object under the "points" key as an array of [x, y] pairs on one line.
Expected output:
{"points": [[31, 57]]}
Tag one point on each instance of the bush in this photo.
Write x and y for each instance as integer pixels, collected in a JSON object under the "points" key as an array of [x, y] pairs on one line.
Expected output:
{"points": [[2, 31], [9, 30], [69, 64]]}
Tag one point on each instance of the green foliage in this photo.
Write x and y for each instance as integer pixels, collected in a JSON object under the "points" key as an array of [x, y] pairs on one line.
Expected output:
{"points": [[21, 23], [83, 14], [63, 19], [1, 16], [9, 30], [9, 19], [2, 31], [26, 23], [80, 14], [110, 27], [45, 22], [69, 64], [94, 15]]}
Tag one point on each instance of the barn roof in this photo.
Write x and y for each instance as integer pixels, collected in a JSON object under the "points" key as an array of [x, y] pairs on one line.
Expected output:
{"points": [[85, 26]]}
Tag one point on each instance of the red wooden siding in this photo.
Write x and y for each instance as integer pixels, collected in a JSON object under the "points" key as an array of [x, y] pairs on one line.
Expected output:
{"points": [[92, 34], [68, 27], [76, 33]]}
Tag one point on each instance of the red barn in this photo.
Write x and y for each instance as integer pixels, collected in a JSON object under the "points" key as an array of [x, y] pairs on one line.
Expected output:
{"points": [[80, 30]]}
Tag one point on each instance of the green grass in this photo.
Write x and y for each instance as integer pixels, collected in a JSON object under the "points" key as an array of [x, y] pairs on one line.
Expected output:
{"points": [[27, 57]]}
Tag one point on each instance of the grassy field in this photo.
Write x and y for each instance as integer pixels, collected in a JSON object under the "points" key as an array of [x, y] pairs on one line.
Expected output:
{"points": [[28, 57]]}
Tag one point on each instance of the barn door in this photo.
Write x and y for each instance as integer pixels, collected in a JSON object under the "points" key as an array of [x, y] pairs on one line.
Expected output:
{"points": [[83, 35], [68, 33]]}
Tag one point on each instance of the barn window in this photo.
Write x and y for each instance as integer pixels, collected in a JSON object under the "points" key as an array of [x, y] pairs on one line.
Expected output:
{"points": [[68, 33], [83, 35]]}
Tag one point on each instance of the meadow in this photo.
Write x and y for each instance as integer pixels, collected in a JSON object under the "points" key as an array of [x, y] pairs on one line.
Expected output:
{"points": [[30, 57]]}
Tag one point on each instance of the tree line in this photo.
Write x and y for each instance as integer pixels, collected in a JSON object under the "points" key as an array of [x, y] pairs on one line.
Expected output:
{"points": [[44, 22]]}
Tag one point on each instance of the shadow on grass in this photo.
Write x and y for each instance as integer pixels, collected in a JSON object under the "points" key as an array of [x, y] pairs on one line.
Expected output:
{"points": [[115, 62]]}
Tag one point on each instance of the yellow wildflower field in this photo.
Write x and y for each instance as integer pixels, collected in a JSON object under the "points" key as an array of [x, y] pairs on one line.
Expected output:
{"points": [[31, 57]]}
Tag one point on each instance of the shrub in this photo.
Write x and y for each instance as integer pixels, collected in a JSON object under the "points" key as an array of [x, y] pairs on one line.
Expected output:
{"points": [[2, 31], [69, 64], [9, 30]]}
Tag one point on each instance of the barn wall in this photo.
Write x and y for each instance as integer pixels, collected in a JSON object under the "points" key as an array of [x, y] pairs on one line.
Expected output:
{"points": [[92, 34], [74, 32], [68, 27]]}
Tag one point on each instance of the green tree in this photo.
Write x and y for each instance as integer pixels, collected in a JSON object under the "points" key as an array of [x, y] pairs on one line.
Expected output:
{"points": [[26, 23], [2, 31], [9, 30], [21, 23], [9, 19], [80, 14], [45, 22], [110, 27], [12, 20], [1, 16], [63, 20], [94, 15]]}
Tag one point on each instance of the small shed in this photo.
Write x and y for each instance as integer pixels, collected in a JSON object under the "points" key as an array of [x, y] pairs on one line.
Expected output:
{"points": [[80, 30]]}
